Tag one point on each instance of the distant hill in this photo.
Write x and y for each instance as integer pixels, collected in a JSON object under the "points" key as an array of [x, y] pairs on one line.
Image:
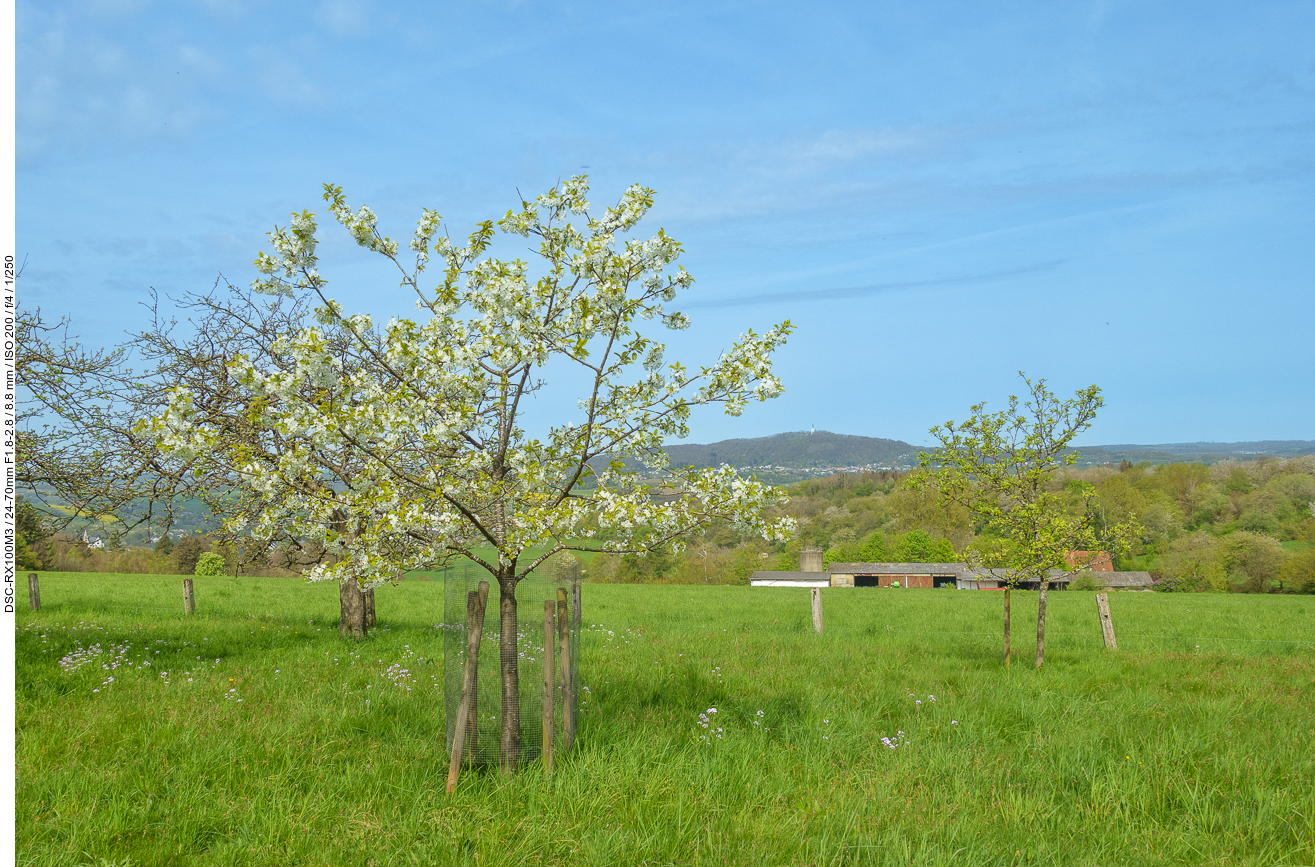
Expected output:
{"points": [[798, 450], [1208, 453], [822, 450]]}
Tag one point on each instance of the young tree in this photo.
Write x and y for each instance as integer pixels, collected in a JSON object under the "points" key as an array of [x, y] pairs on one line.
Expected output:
{"points": [[1000, 466], [399, 447], [74, 437], [221, 325]]}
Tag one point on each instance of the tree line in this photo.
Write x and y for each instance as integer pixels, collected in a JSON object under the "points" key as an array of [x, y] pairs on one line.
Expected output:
{"points": [[1232, 526]]}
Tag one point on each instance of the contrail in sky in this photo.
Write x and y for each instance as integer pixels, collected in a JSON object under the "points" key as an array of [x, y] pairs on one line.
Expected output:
{"points": [[875, 288]]}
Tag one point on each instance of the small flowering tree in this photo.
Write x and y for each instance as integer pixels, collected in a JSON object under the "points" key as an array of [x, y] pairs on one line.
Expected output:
{"points": [[398, 447], [1000, 466]]}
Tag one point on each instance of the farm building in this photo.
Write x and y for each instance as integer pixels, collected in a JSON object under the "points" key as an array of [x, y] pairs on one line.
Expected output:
{"points": [[917, 575], [932, 575]]}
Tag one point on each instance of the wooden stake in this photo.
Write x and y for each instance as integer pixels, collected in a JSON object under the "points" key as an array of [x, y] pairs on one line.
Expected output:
{"points": [[574, 668], [1006, 626], [189, 597], [33, 592], [474, 632], [564, 662], [1106, 622], [817, 610], [549, 634], [1041, 626], [472, 716]]}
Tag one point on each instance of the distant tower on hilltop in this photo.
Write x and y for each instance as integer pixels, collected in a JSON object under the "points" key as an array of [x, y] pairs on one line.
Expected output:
{"points": [[812, 430]]}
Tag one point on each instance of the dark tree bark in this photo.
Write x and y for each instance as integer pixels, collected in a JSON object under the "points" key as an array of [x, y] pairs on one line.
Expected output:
{"points": [[351, 606], [1041, 625], [511, 708], [369, 609]]}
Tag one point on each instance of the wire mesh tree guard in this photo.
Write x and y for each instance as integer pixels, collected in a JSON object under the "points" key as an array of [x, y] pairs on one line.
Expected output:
{"points": [[551, 640]]}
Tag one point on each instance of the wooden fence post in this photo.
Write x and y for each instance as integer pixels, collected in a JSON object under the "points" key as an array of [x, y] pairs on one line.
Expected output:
{"points": [[564, 662], [33, 592], [1106, 622], [817, 609], [549, 687], [474, 632], [189, 597]]}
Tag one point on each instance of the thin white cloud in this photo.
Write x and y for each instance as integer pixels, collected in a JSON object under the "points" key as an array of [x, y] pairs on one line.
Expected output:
{"points": [[283, 79], [114, 8], [77, 87], [200, 61], [850, 292], [835, 147], [344, 18]]}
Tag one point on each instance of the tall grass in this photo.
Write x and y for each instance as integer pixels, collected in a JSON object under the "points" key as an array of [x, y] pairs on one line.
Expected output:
{"points": [[1192, 744]]}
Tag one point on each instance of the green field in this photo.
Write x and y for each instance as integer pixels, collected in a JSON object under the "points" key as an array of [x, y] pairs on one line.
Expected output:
{"points": [[256, 736]]}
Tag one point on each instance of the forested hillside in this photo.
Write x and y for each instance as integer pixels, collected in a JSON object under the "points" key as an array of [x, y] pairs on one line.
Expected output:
{"points": [[1231, 526]]}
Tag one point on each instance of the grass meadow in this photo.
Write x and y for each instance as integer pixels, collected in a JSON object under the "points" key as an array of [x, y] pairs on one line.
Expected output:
{"points": [[251, 734]]}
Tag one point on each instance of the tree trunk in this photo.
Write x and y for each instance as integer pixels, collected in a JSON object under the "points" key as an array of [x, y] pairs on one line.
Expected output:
{"points": [[351, 609], [511, 705], [1006, 626], [368, 597], [1041, 625]]}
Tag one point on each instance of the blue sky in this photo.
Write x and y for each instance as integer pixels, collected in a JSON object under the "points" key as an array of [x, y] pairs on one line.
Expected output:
{"points": [[937, 195]]}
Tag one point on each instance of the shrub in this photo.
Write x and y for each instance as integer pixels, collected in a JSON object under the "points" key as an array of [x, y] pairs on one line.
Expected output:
{"points": [[1194, 563], [1252, 561], [1086, 581], [210, 564], [1297, 575]]}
